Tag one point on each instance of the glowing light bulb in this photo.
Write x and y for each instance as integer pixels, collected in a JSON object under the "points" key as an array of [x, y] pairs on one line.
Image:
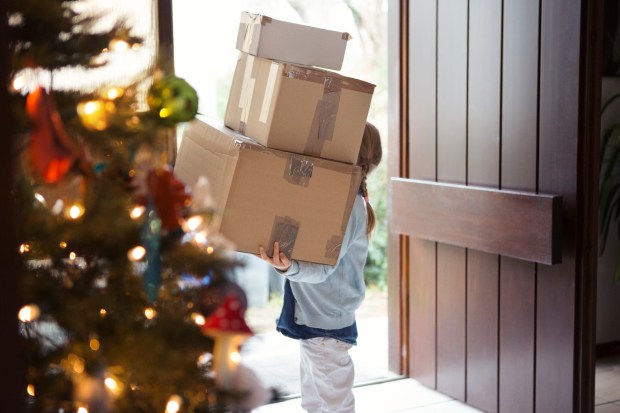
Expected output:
{"points": [[119, 45], [114, 93], [235, 357], [200, 238], [28, 313], [209, 250], [164, 113], [82, 410], [103, 312], [75, 211], [198, 319], [30, 390], [174, 404], [193, 223], [72, 255], [137, 253], [111, 384], [24, 248], [150, 313], [62, 245], [136, 212], [94, 344], [19, 82], [93, 114]]}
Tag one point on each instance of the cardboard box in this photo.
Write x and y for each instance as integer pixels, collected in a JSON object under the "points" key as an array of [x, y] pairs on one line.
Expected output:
{"points": [[289, 42], [298, 108], [263, 194]]}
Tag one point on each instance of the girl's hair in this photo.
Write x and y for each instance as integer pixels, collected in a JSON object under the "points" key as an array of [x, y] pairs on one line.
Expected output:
{"points": [[369, 157]]}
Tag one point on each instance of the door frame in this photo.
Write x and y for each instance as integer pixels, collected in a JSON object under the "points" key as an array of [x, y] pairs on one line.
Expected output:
{"points": [[586, 225]]}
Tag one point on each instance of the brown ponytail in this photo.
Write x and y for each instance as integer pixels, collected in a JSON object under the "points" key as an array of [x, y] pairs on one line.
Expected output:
{"points": [[369, 157]]}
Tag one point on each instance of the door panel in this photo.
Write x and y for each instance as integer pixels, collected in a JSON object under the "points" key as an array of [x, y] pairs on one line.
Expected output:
{"points": [[483, 133], [422, 110], [519, 172], [496, 95], [451, 167]]}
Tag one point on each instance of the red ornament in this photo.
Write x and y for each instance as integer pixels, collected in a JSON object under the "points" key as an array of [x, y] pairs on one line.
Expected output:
{"points": [[52, 152], [169, 195]]}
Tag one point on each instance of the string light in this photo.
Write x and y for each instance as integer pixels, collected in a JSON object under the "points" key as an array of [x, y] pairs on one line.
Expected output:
{"points": [[75, 211], [113, 385], [137, 253], [193, 223], [19, 82], [24, 248], [150, 313], [200, 238], [136, 212], [28, 313], [235, 357], [174, 404], [82, 410], [30, 390], [118, 45], [93, 114], [62, 245], [114, 93], [94, 344], [72, 255], [103, 312], [198, 319]]}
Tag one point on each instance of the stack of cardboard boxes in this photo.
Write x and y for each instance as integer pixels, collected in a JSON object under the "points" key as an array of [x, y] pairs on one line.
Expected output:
{"points": [[282, 168]]}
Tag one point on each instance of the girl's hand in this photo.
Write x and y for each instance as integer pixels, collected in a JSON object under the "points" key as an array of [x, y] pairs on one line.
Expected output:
{"points": [[279, 261]]}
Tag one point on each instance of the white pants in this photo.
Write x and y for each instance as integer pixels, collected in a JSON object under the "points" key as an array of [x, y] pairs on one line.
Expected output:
{"points": [[326, 376]]}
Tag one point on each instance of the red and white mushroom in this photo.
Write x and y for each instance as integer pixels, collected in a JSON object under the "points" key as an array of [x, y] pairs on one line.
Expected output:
{"points": [[228, 327]]}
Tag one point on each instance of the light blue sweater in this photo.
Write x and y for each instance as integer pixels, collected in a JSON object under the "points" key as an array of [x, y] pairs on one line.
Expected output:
{"points": [[327, 296]]}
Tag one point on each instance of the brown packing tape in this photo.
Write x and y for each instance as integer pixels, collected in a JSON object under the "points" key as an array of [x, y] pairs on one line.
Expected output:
{"points": [[298, 170], [285, 230], [332, 248], [346, 36], [326, 111], [334, 80], [323, 122]]}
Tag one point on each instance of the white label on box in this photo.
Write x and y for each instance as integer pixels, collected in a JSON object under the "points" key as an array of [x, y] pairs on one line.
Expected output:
{"points": [[274, 71]]}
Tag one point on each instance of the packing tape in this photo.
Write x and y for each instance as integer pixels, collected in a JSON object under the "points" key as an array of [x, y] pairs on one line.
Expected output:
{"points": [[249, 21], [333, 246], [285, 230], [298, 170], [326, 111]]}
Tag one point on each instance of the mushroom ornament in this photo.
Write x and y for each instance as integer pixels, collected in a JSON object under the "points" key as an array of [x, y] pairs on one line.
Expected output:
{"points": [[228, 328]]}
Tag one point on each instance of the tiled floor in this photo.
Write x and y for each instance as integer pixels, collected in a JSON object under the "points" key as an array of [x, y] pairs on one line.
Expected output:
{"points": [[607, 388], [279, 369]]}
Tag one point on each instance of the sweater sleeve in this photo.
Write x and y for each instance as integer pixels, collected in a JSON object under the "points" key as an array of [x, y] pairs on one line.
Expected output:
{"points": [[307, 272]]}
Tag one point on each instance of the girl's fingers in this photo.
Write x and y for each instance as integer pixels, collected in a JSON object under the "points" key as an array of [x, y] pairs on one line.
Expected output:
{"points": [[276, 251]]}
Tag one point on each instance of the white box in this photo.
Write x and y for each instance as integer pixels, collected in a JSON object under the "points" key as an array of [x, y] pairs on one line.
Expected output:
{"points": [[266, 37]]}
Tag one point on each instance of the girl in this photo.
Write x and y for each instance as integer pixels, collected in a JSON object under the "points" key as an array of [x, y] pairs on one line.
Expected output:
{"points": [[320, 301]]}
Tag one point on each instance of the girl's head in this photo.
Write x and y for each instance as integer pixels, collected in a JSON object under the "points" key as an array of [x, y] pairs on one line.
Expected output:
{"points": [[368, 159]]}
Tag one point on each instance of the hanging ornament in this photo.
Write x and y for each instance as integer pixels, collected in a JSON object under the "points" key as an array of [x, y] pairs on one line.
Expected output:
{"points": [[52, 152], [172, 100], [151, 238], [169, 197], [228, 327]]}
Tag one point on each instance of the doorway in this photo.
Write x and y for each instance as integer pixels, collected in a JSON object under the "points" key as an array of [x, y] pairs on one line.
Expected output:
{"points": [[205, 55]]}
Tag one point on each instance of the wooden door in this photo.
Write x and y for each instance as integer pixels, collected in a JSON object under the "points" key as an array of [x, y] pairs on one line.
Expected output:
{"points": [[493, 200]]}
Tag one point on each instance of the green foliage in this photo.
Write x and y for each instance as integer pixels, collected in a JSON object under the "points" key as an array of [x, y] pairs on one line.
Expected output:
{"points": [[76, 271]]}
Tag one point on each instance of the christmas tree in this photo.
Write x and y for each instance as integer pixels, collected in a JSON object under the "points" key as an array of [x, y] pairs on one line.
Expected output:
{"points": [[126, 306]]}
